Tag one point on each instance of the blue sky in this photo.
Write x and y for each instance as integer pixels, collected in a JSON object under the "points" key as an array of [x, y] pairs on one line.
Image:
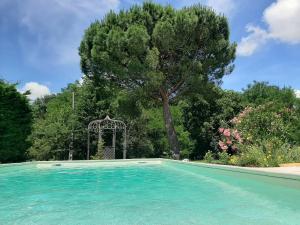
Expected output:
{"points": [[39, 40]]}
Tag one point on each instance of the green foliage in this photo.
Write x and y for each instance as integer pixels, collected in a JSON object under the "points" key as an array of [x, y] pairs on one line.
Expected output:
{"points": [[223, 157], [267, 130], [234, 160], [127, 45], [269, 152], [260, 93], [54, 121], [274, 113], [252, 156], [135, 61], [51, 135], [209, 156], [206, 112], [267, 127], [154, 126], [15, 123], [278, 112], [187, 144], [159, 53], [293, 154], [266, 121], [100, 151]]}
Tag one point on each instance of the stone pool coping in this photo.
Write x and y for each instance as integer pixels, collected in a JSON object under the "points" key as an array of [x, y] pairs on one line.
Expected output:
{"points": [[82, 162], [279, 172]]}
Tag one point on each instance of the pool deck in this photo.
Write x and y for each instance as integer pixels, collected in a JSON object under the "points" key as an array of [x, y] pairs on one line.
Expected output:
{"points": [[288, 171], [293, 170]]}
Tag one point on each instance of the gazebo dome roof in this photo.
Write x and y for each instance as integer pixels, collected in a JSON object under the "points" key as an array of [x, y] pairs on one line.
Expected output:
{"points": [[106, 123]]}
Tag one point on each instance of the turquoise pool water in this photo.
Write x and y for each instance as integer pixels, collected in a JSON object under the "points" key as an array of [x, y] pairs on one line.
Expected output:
{"points": [[163, 194]]}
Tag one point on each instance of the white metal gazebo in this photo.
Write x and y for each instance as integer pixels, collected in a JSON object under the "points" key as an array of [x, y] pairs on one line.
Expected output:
{"points": [[99, 126]]}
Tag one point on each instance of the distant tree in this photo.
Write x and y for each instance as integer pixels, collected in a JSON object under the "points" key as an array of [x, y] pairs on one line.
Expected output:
{"points": [[159, 52], [51, 133], [15, 123], [39, 106], [259, 93], [204, 114], [54, 119]]}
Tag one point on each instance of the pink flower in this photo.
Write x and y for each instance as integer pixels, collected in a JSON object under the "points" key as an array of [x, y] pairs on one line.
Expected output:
{"points": [[237, 135], [221, 130], [241, 115], [234, 148], [234, 120], [229, 142], [227, 133], [223, 146]]}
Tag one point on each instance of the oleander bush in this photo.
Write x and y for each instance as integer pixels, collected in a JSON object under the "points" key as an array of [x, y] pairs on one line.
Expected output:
{"points": [[265, 122], [265, 132]]}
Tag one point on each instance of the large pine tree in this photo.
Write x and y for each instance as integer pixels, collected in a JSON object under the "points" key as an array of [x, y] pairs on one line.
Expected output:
{"points": [[160, 52]]}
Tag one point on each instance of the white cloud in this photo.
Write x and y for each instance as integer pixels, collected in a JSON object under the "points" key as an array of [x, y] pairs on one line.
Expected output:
{"points": [[52, 29], [283, 24], [283, 19], [297, 92], [36, 90], [222, 6], [253, 41]]}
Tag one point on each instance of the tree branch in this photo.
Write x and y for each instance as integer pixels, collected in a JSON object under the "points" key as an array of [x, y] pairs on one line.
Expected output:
{"points": [[175, 87]]}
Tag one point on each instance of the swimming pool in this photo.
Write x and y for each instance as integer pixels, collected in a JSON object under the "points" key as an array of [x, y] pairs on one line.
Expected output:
{"points": [[149, 192]]}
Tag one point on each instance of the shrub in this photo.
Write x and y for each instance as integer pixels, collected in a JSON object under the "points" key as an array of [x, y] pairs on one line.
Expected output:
{"points": [[293, 154], [275, 151], [234, 159], [100, 151], [209, 156], [252, 156], [224, 157], [269, 152], [265, 131], [229, 139], [266, 122]]}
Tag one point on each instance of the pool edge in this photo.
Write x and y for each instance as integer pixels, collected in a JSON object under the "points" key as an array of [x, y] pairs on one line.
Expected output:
{"points": [[255, 171], [248, 170]]}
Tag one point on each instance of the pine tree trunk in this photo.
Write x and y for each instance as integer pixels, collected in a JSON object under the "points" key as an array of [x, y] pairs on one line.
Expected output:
{"points": [[171, 133]]}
